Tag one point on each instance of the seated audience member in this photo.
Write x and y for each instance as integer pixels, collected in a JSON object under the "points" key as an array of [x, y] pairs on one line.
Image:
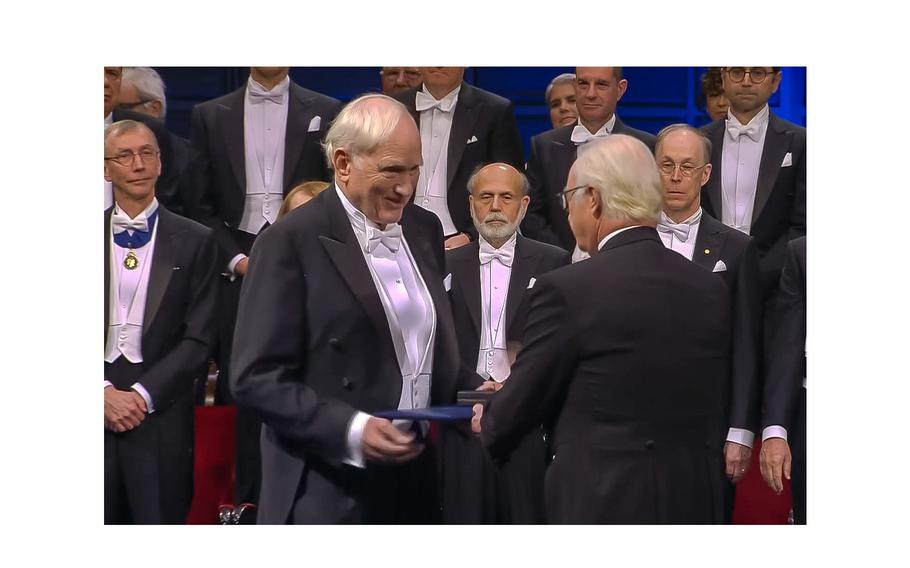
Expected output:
{"points": [[626, 354], [159, 291], [301, 194], [560, 98], [712, 94], [399, 79]]}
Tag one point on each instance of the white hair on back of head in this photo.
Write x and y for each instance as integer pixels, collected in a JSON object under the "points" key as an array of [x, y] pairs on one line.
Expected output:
{"points": [[148, 84], [363, 124], [623, 170]]}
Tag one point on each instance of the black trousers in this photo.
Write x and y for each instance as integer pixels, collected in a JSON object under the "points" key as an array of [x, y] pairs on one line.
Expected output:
{"points": [[798, 471]]}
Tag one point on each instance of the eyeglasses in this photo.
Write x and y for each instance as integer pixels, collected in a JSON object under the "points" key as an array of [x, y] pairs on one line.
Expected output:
{"points": [[125, 159], [131, 106], [757, 74], [564, 195], [685, 170]]}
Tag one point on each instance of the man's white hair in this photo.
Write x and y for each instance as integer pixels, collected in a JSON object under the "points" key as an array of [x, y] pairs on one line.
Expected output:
{"points": [[363, 124], [148, 84], [623, 170]]}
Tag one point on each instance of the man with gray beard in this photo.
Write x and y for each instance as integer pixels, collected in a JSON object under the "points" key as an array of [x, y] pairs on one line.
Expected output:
{"points": [[489, 280]]}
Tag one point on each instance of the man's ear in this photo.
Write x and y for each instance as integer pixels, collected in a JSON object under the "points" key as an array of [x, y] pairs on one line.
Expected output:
{"points": [[341, 163]]}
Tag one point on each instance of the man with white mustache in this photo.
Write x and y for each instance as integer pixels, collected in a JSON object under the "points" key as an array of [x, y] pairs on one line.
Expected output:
{"points": [[490, 280]]}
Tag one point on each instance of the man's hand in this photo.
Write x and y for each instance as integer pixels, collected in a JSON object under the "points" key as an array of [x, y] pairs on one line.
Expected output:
{"points": [[489, 386], [383, 442], [478, 416], [240, 267], [775, 462], [737, 458], [123, 410], [456, 241]]}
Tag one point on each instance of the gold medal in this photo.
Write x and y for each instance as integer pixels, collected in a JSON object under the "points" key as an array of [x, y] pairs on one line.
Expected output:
{"points": [[131, 262]]}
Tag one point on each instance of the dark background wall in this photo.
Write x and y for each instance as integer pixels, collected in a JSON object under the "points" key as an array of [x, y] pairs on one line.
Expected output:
{"points": [[656, 97]]}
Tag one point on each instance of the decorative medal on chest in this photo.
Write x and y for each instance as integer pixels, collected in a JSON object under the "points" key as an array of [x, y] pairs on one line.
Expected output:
{"points": [[131, 262]]}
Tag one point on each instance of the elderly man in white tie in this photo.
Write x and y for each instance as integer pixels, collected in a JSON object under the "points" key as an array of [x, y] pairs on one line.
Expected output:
{"points": [[683, 155], [597, 92], [159, 292], [343, 316], [491, 280]]}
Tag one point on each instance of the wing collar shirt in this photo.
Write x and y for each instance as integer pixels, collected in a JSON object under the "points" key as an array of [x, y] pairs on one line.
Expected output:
{"points": [[680, 237], [129, 289], [581, 134], [495, 273], [435, 127], [741, 158], [410, 313]]}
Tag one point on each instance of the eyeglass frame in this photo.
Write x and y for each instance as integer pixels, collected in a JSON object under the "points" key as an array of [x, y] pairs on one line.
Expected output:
{"points": [[682, 172], [563, 195], [750, 72], [132, 156], [131, 106]]}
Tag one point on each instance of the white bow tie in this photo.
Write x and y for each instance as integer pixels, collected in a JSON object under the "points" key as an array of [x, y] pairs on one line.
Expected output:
{"points": [[258, 96], [736, 131], [121, 222], [488, 253], [580, 135], [390, 238], [680, 230], [425, 102]]}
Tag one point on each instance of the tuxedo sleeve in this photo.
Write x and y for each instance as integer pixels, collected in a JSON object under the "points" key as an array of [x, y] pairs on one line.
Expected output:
{"points": [[798, 215], [786, 356], [539, 377], [747, 342], [204, 202], [174, 373], [536, 224], [269, 358]]}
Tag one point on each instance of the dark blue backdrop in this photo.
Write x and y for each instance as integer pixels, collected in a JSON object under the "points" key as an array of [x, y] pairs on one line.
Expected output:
{"points": [[656, 97]]}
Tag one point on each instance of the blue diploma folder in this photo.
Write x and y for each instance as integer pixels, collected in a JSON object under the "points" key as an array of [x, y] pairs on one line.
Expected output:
{"points": [[438, 413]]}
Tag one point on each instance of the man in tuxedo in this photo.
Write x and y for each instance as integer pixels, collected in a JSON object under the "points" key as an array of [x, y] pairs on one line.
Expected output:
{"points": [[461, 127], [597, 91], [490, 281], [627, 353], [683, 155], [251, 147], [399, 79], [759, 160], [343, 315], [168, 188], [784, 416], [159, 300]]}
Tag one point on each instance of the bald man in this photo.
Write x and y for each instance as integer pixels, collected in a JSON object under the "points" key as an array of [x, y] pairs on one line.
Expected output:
{"points": [[490, 280]]}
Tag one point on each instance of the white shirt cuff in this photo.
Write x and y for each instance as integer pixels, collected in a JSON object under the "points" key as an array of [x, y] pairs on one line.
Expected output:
{"points": [[774, 432], [355, 440], [108, 384], [740, 436], [145, 396], [233, 264]]}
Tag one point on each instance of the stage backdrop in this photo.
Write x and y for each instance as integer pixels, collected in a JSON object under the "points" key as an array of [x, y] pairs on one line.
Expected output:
{"points": [[656, 97]]}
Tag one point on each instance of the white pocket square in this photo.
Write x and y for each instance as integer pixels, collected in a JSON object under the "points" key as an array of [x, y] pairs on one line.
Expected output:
{"points": [[447, 282], [531, 283], [720, 266], [472, 139], [314, 124], [788, 160]]}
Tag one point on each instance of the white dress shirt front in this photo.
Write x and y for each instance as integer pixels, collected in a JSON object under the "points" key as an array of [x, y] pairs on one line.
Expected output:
{"points": [[412, 322], [493, 358], [128, 292], [739, 173], [435, 128]]}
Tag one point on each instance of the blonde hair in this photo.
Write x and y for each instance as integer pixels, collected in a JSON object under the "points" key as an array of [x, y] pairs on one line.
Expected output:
{"points": [[623, 170], [311, 188], [363, 124]]}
